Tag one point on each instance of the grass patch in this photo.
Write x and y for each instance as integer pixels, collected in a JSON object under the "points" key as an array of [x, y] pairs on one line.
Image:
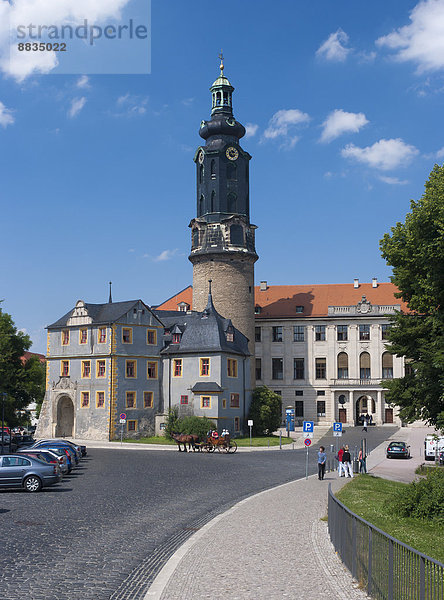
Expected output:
{"points": [[424, 469], [370, 498], [155, 439], [261, 441]]}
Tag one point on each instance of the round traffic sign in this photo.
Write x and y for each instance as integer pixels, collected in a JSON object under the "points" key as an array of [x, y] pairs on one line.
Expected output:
{"points": [[307, 442], [122, 416]]}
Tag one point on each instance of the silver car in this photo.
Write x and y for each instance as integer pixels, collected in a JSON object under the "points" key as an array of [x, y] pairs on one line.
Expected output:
{"points": [[18, 471], [49, 456]]}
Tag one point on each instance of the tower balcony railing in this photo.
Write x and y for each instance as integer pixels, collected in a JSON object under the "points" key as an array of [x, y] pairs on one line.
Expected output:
{"points": [[365, 382]]}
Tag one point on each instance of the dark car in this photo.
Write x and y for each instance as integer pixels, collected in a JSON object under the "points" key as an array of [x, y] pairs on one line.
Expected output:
{"points": [[75, 450], [25, 472], [23, 441], [398, 450], [441, 458]]}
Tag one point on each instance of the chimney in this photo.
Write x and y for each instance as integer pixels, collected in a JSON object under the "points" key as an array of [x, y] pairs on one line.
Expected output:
{"points": [[264, 286], [374, 282], [356, 283]]}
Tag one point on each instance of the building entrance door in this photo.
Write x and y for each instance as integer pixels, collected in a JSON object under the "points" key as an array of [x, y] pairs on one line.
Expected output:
{"points": [[65, 418], [343, 415], [389, 415]]}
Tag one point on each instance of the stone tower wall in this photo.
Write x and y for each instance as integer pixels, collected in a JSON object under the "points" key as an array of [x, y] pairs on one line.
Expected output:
{"points": [[232, 289]]}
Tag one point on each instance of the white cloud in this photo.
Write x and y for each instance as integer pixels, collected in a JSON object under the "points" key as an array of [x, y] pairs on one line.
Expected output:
{"points": [[251, 129], [6, 117], [21, 65], [334, 48], [83, 82], [384, 155], [129, 106], [165, 255], [282, 124], [393, 180], [339, 122], [422, 41], [76, 106], [440, 153], [187, 101]]}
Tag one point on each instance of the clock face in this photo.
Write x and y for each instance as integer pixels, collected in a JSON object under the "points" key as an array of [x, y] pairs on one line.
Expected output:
{"points": [[201, 157], [232, 153]]}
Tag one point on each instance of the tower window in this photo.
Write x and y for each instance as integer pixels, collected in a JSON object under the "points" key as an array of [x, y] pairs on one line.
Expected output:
{"points": [[195, 237], [213, 169], [236, 235], [201, 204], [201, 173], [218, 98], [213, 198]]}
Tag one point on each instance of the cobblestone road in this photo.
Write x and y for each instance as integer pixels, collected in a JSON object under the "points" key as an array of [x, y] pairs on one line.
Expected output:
{"points": [[105, 531]]}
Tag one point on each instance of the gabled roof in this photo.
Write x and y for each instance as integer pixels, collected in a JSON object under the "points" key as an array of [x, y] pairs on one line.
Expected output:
{"points": [[202, 332], [102, 313], [279, 301]]}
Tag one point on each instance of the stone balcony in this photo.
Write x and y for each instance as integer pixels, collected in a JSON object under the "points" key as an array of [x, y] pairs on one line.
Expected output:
{"points": [[348, 382]]}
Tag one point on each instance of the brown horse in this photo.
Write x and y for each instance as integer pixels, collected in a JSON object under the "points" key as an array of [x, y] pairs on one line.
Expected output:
{"points": [[184, 438]]}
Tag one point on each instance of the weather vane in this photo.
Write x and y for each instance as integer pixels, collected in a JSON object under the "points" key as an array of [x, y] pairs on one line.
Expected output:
{"points": [[221, 56]]}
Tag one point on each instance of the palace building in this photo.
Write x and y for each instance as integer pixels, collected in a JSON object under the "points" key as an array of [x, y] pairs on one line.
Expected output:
{"points": [[321, 347]]}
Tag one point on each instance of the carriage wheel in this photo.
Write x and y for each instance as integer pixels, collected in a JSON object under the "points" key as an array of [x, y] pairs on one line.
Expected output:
{"points": [[209, 448], [232, 447]]}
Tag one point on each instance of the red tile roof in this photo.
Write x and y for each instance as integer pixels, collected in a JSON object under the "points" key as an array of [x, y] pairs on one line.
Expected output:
{"points": [[28, 355], [279, 301]]}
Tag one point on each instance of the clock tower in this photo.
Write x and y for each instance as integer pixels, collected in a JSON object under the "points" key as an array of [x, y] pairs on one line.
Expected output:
{"points": [[222, 237]]}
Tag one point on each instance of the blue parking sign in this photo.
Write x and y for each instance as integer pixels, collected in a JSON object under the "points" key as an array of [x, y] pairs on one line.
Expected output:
{"points": [[308, 427], [337, 426]]}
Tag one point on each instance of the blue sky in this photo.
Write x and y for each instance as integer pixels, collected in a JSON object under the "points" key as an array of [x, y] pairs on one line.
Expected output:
{"points": [[343, 106]]}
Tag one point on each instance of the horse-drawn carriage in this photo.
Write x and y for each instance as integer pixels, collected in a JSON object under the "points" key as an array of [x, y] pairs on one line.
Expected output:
{"points": [[223, 443]]}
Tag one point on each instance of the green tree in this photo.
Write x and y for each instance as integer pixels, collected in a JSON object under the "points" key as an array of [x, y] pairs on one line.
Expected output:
{"points": [[22, 381], [265, 411], [415, 250]]}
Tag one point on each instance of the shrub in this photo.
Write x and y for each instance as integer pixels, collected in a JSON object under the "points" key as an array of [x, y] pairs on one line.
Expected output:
{"points": [[265, 411], [423, 499], [196, 425], [172, 422]]}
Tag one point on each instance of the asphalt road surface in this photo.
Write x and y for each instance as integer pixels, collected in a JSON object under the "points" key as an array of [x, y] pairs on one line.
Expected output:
{"points": [[107, 529]]}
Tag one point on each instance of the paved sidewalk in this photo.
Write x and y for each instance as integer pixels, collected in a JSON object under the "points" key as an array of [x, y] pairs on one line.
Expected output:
{"points": [[274, 544], [270, 546]]}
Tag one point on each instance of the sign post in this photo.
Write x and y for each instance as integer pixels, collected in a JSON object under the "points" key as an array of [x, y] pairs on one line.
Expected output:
{"points": [[307, 443], [122, 423], [337, 433], [308, 430], [250, 425]]}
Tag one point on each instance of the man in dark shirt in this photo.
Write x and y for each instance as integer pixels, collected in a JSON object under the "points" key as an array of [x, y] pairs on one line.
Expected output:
{"points": [[346, 463]]}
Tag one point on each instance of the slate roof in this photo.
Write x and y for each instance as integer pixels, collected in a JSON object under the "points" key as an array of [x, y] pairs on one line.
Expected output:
{"points": [[210, 386], [101, 313], [202, 332], [279, 301]]}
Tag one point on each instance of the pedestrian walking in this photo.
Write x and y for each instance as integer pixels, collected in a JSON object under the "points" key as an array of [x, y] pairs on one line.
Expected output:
{"points": [[346, 462], [322, 457], [339, 458], [365, 424], [362, 461]]}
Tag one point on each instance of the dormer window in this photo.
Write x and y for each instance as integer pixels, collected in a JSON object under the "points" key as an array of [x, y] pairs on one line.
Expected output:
{"points": [[257, 310], [176, 338], [183, 307], [299, 309], [229, 334]]}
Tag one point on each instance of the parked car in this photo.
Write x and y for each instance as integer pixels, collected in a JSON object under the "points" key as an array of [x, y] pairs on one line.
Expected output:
{"points": [[55, 442], [26, 472], [441, 458], [398, 450], [65, 447], [7, 447], [81, 450], [49, 456]]}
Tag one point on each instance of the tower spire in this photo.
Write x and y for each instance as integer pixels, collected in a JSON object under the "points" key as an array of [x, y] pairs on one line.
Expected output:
{"points": [[110, 300], [221, 67]]}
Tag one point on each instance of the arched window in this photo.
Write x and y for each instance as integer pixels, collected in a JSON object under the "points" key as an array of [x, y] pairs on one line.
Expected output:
{"points": [[213, 201], [195, 237], [201, 204], [231, 172], [387, 365], [236, 235], [364, 366], [213, 169], [218, 98], [231, 203], [342, 365], [201, 173]]}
